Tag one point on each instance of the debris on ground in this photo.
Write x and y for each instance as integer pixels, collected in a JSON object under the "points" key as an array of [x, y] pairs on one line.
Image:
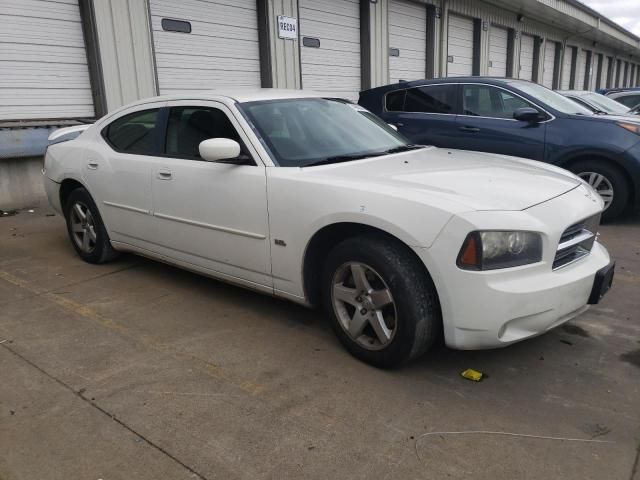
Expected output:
{"points": [[473, 375]]}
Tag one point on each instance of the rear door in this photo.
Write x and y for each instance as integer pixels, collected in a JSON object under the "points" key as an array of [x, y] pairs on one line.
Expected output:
{"points": [[118, 173], [486, 123], [426, 115]]}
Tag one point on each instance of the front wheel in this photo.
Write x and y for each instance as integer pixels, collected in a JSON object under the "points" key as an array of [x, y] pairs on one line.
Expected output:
{"points": [[608, 182], [382, 303]]}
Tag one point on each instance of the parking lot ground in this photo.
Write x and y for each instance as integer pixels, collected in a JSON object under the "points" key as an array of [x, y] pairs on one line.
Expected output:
{"points": [[139, 370]]}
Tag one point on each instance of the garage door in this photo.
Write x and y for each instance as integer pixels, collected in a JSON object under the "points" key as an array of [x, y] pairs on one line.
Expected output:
{"points": [[498, 40], [330, 46], [407, 40], [526, 57], [566, 68], [220, 51], [43, 63], [459, 46], [549, 64], [580, 69]]}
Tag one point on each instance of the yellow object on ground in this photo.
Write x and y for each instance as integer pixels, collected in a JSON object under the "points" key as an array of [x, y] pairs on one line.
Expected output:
{"points": [[471, 374]]}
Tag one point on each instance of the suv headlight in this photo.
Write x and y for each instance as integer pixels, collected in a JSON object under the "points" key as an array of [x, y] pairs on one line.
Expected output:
{"points": [[491, 250]]}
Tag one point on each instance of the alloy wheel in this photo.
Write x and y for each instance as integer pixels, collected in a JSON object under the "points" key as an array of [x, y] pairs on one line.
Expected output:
{"points": [[364, 305], [600, 184], [83, 228]]}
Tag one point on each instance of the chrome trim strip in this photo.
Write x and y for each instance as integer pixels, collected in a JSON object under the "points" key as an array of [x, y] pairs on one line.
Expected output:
{"points": [[581, 237], [218, 228], [580, 257], [127, 207]]}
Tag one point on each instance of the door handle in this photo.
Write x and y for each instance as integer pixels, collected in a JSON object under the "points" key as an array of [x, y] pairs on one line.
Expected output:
{"points": [[165, 174], [469, 129], [399, 124], [93, 165]]}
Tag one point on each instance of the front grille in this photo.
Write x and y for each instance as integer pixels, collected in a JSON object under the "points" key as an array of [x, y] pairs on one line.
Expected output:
{"points": [[576, 241]]}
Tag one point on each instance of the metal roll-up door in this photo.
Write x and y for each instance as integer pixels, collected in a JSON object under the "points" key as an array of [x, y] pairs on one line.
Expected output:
{"points": [[566, 68], [330, 46], [43, 62], [526, 57], [200, 45], [459, 46], [549, 64], [498, 41], [407, 40], [580, 69]]}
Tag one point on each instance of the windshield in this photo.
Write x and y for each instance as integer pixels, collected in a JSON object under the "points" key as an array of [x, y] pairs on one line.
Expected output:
{"points": [[304, 131], [551, 98], [605, 103]]}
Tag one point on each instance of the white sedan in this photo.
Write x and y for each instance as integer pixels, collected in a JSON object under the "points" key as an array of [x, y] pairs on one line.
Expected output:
{"points": [[318, 201]]}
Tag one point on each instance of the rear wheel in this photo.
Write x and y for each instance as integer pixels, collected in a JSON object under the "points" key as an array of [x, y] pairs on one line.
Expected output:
{"points": [[383, 305], [608, 181], [86, 230]]}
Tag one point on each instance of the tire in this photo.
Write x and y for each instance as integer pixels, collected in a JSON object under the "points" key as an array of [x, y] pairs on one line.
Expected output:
{"points": [[87, 234], [412, 320], [612, 177]]}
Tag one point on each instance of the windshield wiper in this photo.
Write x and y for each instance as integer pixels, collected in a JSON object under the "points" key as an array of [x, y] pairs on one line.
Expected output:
{"points": [[403, 148], [360, 156], [343, 158]]}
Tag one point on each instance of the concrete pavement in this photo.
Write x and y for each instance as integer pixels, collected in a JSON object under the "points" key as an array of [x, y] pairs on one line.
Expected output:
{"points": [[140, 370]]}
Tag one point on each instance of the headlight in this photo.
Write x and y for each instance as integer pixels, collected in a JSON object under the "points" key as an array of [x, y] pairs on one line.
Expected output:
{"points": [[499, 249], [632, 127]]}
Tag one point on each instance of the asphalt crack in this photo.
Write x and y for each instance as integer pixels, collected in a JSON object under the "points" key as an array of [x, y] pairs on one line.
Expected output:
{"points": [[112, 416]]}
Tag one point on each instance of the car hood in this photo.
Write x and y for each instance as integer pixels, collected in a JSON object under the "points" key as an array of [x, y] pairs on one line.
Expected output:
{"points": [[472, 180]]}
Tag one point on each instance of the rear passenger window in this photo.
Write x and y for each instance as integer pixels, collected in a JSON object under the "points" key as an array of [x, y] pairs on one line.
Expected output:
{"points": [[431, 99], [395, 101], [132, 133], [188, 126]]}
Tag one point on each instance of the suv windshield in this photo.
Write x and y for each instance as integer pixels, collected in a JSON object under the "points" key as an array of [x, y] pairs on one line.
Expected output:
{"points": [[305, 131], [605, 103], [551, 98]]}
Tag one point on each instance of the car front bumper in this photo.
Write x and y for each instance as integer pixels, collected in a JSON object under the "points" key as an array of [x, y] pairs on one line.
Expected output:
{"points": [[52, 189], [498, 307]]}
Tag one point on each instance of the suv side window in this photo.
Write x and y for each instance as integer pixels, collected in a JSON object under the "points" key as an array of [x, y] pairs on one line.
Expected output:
{"points": [[431, 99], [395, 101], [629, 100], [488, 101], [188, 126], [132, 133]]}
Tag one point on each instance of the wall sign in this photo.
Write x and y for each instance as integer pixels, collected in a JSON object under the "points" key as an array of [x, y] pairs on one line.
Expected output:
{"points": [[287, 27]]}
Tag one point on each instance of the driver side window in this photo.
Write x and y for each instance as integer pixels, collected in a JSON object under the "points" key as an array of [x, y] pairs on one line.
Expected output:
{"points": [[188, 126], [488, 101]]}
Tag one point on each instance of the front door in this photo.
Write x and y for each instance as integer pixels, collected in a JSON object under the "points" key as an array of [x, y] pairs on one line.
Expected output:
{"points": [[211, 215], [486, 123]]}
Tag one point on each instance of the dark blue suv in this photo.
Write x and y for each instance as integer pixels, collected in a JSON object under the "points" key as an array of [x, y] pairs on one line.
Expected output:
{"points": [[519, 118]]}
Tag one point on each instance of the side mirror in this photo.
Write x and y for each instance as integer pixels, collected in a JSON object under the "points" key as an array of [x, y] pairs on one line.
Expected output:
{"points": [[393, 126], [219, 149], [528, 114]]}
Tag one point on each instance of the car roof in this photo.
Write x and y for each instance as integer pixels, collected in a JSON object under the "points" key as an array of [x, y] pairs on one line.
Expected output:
{"points": [[577, 93], [235, 94], [436, 81], [624, 93]]}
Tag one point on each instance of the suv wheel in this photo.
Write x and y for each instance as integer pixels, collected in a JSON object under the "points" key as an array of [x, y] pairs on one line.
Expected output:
{"points": [[86, 230], [382, 303], [608, 181]]}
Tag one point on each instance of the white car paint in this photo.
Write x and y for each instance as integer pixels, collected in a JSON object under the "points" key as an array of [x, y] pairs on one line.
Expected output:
{"points": [[223, 220]]}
